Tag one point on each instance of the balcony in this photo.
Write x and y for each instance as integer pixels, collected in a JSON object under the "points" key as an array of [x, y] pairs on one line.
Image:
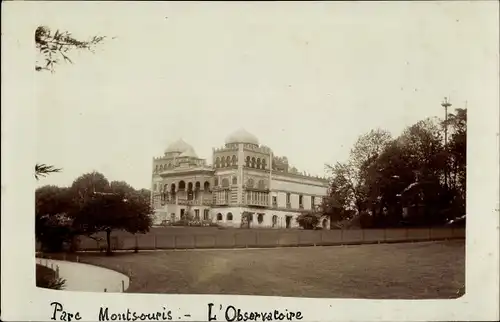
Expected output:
{"points": [[207, 202], [258, 203], [222, 202]]}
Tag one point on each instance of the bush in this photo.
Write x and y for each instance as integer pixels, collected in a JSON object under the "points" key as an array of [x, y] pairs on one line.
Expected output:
{"points": [[46, 278], [308, 220]]}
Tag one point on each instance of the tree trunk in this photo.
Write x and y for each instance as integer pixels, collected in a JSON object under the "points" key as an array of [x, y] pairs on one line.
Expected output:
{"points": [[108, 240]]}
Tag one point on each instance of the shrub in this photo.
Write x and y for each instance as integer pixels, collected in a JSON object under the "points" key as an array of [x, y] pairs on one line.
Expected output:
{"points": [[308, 220], [46, 278]]}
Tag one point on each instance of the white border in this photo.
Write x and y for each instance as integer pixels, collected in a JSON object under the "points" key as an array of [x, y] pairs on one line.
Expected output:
{"points": [[22, 301]]}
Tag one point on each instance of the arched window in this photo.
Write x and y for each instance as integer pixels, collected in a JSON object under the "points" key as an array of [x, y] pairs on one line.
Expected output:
{"points": [[253, 162], [217, 162], [228, 161], [190, 186], [172, 188], [264, 163], [219, 216], [275, 220], [170, 165], [258, 163], [161, 167], [250, 183], [235, 180], [206, 186], [247, 162], [225, 182], [229, 216], [261, 185], [260, 218], [156, 168], [233, 160], [197, 186], [182, 185]]}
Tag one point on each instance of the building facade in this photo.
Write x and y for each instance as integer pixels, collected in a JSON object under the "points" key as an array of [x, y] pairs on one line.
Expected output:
{"points": [[245, 186]]}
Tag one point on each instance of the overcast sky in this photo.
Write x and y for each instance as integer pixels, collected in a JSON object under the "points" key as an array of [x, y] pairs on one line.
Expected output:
{"points": [[306, 78]]}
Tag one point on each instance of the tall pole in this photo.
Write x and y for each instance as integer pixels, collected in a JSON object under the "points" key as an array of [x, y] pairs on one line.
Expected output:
{"points": [[446, 104]]}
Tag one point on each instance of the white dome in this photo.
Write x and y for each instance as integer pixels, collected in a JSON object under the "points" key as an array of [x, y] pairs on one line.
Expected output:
{"points": [[242, 136], [189, 153], [178, 146]]}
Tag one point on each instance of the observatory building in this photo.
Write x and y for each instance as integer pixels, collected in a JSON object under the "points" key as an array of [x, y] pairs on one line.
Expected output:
{"points": [[245, 186]]}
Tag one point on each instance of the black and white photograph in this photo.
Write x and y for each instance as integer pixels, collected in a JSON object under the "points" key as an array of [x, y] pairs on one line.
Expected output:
{"points": [[222, 161]]}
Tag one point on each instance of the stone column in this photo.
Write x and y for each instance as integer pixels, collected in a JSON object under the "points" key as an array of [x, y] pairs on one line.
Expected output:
{"points": [[241, 162]]}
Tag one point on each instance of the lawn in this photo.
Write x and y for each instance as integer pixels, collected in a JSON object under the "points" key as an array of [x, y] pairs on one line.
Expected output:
{"points": [[423, 270]]}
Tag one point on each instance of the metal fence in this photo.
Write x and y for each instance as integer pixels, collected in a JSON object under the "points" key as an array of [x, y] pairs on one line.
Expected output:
{"points": [[260, 238]]}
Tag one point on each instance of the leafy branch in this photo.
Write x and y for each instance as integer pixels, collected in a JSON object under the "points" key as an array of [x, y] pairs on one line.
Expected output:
{"points": [[54, 47], [42, 170]]}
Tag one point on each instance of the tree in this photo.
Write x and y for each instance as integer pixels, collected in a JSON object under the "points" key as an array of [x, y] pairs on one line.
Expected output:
{"points": [[53, 226], [54, 47], [368, 146], [85, 186], [110, 211], [348, 185], [122, 188]]}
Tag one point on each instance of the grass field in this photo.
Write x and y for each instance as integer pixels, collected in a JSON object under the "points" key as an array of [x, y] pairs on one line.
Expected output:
{"points": [[394, 271]]}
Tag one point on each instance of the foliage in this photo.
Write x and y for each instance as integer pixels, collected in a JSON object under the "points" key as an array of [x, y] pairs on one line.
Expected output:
{"points": [[89, 206], [46, 278], [53, 227], [401, 181], [106, 207], [42, 170], [54, 47], [309, 220]]}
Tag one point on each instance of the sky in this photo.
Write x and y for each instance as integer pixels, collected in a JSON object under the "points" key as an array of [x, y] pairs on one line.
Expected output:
{"points": [[306, 78]]}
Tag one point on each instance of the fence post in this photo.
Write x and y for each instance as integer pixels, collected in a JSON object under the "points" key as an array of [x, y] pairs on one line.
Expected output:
{"points": [[105, 290], [57, 271]]}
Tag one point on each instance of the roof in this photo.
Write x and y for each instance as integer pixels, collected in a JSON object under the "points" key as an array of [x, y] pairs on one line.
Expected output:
{"points": [[242, 136], [178, 146]]}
